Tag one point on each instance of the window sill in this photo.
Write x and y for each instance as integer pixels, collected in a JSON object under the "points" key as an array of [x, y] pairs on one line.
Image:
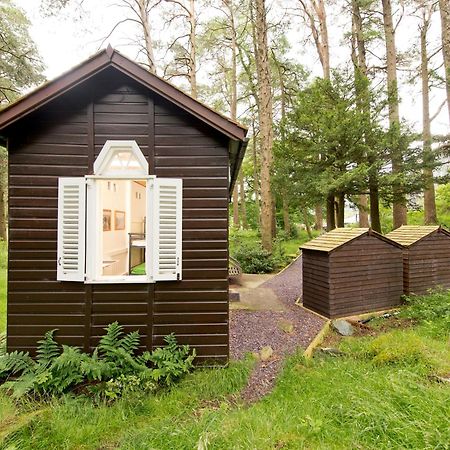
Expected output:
{"points": [[128, 279]]}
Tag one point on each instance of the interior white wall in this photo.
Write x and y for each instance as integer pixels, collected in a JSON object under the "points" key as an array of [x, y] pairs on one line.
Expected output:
{"points": [[115, 242], [130, 197]]}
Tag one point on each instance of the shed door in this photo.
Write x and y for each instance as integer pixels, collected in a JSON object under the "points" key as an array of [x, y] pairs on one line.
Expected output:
{"points": [[71, 229]]}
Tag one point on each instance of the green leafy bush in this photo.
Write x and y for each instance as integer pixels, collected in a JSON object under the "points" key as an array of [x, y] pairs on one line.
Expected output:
{"points": [[254, 259], [112, 370], [432, 311]]}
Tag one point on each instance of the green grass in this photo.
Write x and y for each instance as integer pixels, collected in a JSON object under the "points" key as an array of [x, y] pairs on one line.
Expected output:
{"points": [[73, 422], [379, 395]]}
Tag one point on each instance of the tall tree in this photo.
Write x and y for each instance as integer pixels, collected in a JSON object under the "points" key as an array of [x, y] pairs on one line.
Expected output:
{"points": [[316, 18], [399, 200], [265, 116], [444, 8], [362, 84], [184, 45], [20, 69], [137, 12], [429, 201], [20, 63]]}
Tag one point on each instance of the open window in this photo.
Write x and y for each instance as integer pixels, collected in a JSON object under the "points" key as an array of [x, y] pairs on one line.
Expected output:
{"points": [[119, 225]]}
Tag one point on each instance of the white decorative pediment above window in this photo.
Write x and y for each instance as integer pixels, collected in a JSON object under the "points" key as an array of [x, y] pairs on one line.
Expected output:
{"points": [[120, 159]]}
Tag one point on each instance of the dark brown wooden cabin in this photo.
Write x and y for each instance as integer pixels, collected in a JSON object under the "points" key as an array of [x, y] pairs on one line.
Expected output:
{"points": [[351, 271], [426, 257], [59, 131]]}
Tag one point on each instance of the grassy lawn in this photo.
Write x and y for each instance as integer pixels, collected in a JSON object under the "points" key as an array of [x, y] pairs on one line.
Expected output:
{"points": [[380, 394]]}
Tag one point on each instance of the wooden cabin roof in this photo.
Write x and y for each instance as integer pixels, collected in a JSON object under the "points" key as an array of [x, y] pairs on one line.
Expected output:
{"points": [[340, 236], [112, 58], [408, 235]]}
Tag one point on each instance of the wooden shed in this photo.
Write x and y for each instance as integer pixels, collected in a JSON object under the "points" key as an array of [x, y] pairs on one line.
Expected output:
{"points": [[119, 186], [426, 257], [351, 271]]}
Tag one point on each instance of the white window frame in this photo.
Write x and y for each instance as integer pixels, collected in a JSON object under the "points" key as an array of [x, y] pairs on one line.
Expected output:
{"points": [[164, 198], [93, 238]]}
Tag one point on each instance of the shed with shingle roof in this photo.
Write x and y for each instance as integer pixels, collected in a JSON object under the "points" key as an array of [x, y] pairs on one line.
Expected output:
{"points": [[351, 271], [426, 257]]}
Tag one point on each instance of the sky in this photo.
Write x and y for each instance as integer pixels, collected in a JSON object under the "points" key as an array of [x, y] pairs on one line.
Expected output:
{"points": [[64, 42]]}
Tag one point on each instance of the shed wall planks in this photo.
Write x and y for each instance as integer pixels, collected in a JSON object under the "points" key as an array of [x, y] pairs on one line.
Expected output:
{"points": [[427, 264], [363, 275], [62, 139]]}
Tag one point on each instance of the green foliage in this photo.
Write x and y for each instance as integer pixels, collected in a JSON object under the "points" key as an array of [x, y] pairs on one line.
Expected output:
{"points": [[113, 367], [431, 311], [327, 402], [20, 64], [253, 258], [171, 361]]}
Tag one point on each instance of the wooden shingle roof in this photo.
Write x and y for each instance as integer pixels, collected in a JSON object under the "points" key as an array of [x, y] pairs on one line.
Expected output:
{"points": [[339, 237], [408, 235]]}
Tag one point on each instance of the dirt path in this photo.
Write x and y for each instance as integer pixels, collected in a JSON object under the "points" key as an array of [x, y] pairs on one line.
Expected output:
{"points": [[284, 331]]}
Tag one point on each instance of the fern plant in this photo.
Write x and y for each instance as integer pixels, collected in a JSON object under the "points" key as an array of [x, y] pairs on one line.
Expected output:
{"points": [[2, 344], [113, 366], [171, 362]]}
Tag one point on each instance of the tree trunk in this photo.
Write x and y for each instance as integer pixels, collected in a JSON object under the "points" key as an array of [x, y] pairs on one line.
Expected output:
{"points": [[236, 206], [429, 200], [265, 121], [315, 11], [362, 211], [233, 87], [255, 174], [147, 35], [192, 50], [374, 203], [307, 225], [242, 201], [341, 209], [399, 204], [286, 220], [274, 218], [444, 6], [318, 214], [331, 222], [362, 89]]}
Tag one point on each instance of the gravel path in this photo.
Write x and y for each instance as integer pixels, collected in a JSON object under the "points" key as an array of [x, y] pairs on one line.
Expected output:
{"points": [[252, 330]]}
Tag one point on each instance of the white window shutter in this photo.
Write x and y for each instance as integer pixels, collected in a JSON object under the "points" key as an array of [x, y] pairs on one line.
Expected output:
{"points": [[71, 229], [166, 208]]}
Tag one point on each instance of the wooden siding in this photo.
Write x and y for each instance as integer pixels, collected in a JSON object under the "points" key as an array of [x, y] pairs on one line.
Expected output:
{"points": [[365, 275], [62, 139], [362, 275], [316, 285], [427, 264]]}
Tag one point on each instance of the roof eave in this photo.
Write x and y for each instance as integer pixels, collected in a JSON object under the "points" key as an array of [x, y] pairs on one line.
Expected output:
{"points": [[234, 171], [49, 91], [110, 57]]}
